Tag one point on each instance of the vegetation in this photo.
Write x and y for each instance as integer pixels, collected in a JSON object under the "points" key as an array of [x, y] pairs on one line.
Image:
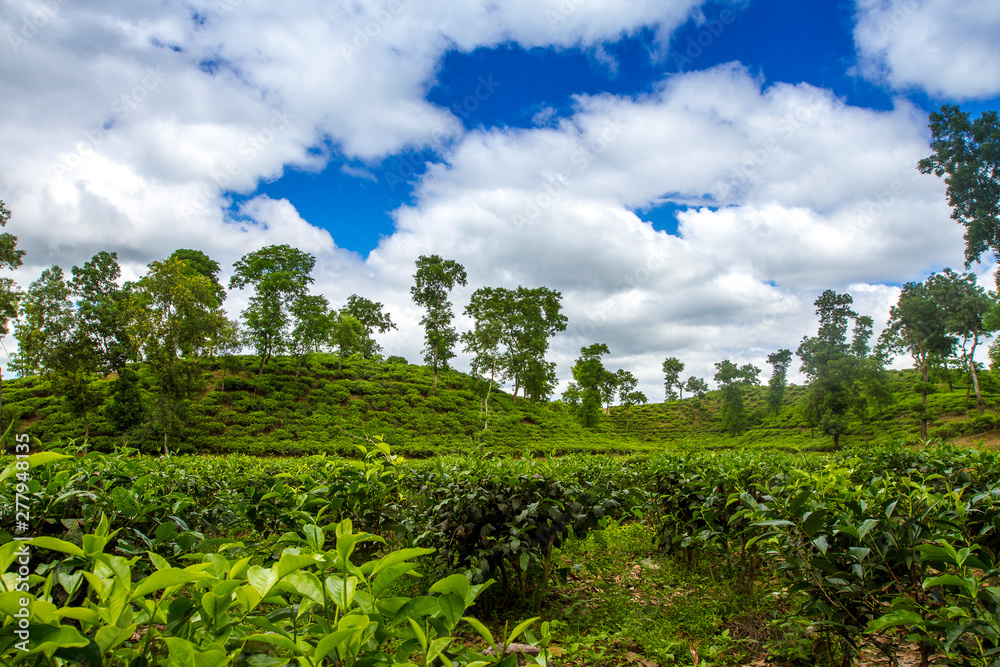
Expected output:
{"points": [[723, 557]]}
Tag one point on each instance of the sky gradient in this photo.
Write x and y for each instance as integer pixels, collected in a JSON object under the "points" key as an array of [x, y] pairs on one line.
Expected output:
{"points": [[690, 175]]}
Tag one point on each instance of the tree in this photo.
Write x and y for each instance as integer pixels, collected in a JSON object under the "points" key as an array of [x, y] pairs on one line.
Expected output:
{"points": [[967, 153], [696, 386], [966, 307], [627, 394], [180, 316], [47, 321], [918, 325], [833, 364], [101, 311], [204, 265], [279, 275], [672, 369], [488, 362], [370, 314], [434, 279], [590, 376], [313, 322], [733, 383], [518, 323], [127, 409], [780, 361], [347, 335]]}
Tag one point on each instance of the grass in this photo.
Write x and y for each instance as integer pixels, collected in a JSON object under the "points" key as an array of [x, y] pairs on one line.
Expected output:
{"points": [[622, 601]]}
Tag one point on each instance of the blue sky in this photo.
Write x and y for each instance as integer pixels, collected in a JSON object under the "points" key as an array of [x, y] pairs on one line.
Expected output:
{"points": [[777, 40], [689, 174]]}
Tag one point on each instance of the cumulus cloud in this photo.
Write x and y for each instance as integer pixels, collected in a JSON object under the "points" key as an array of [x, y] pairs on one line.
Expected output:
{"points": [[791, 192], [948, 48]]}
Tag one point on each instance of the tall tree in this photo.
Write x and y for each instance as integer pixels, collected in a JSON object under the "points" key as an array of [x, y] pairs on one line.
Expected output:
{"points": [[734, 381], [780, 361], [347, 334], [918, 325], [833, 363], [370, 314], [127, 409], [47, 321], [434, 279], [279, 275], [520, 322], [312, 323], [672, 369], [181, 318], [590, 376], [967, 154], [101, 311], [627, 394], [966, 307]]}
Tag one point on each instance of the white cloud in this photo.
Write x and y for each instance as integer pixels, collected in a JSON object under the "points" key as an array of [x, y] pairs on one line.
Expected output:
{"points": [[808, 192], [948, 48]]}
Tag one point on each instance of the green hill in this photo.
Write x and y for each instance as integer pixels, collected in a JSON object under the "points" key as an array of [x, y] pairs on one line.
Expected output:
{"points": [[323, 407]]}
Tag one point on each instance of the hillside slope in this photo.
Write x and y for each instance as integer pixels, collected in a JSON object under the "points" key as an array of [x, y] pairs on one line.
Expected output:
{"points": [[323, 407]]}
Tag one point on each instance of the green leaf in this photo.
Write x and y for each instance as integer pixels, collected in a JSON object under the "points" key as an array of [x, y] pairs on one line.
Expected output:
{"points": [[48, 639], [418, 607], [35, 460], [183, 653], [289, 563], [866, 528], [483, 631], [164, 579], [516, 632], [305, 584], [456, 583], [278, 641], [54, 544], [389, 575], [111, 636], [894, 618], [391, 559], [452, 607], [341, 590]]}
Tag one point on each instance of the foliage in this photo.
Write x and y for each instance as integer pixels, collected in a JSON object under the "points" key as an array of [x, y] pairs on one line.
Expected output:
{"points": [[434, 279], [967, 153], [279, 276], [369, 314], [733, 382], [592, 384], [672, 369]]}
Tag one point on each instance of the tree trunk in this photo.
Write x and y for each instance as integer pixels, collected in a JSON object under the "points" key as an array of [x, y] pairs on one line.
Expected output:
{"points": [[86, 427], [836, 441], [975, 376], [166, 452], [123, 439], [517, 387]]}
